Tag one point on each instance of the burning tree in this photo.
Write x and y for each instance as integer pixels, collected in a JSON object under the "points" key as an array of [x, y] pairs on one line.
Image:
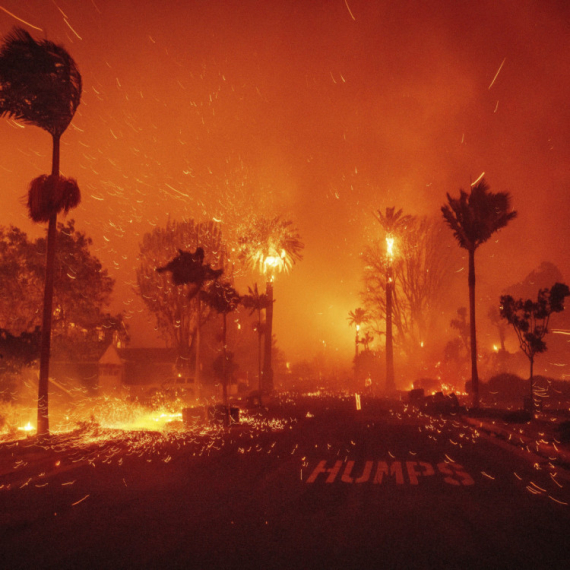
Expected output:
{"points": [[530, 320], [393, 224], [474, 218], [422, 271], [270, 246], [41, 85]]}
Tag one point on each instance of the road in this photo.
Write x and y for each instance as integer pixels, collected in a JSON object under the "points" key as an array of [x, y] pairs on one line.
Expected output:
{"points": [[325, 485]]}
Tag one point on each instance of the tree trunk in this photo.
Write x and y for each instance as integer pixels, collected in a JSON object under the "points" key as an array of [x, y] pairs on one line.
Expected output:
{"points": [[197, 385], [473, 329], [356, 355], [390, 384], [259, 375], [43, 382], [267, 382], [531, 380], [224, 373]]}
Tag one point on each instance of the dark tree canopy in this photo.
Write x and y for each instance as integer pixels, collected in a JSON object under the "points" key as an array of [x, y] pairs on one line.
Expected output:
{"points": [[82, 287], [476, 216], [530, 318], [175, 307], [39, 82], [189, 268], [221, 297]]}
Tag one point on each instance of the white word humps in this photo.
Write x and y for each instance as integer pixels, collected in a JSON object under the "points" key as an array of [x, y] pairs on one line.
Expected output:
{"points": [[399, 472]]}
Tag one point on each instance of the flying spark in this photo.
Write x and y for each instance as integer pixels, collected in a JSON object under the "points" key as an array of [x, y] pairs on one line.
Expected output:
{"points": [[498, 71], [20, 19]]}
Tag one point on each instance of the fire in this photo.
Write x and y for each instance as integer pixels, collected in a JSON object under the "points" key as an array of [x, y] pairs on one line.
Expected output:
{"points": [[275, 262], [28, 427], [390, 246]]}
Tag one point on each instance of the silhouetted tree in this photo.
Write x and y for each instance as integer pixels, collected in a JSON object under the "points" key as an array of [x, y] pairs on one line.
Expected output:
{"points": [[461, 325], [41, 85], [224, 299], [16, 352], [175, 307], [82, 290], [474, 217], [495, 317], [424, 267], [356, 319], [366, 340], [530, 321], [257, 302]]}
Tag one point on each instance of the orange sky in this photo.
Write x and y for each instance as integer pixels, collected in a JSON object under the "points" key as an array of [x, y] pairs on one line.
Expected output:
{"points": [[322, 111]]}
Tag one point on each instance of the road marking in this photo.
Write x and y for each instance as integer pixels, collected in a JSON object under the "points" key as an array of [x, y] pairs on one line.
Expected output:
{"points": [[400, 472]]}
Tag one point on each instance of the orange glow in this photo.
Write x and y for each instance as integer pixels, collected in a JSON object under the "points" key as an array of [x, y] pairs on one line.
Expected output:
{"points": [[203, 111], [390, 247], [27, 428]]}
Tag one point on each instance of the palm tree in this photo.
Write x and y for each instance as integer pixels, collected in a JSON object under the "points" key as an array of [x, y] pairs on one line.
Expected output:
{"points": [[40, 85], [270, 246], [256, 302], [357, 318], [366, 340], [189, 268], [393, 223], [224, 299], [474, 218]]}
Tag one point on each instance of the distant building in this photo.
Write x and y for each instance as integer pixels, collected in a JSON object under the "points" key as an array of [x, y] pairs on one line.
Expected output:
{"points": [[121, 368]]}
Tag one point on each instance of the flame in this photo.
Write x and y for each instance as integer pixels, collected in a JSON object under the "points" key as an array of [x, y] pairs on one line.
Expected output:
{"points": [[275, 262], [390, 246], [27, 427]]}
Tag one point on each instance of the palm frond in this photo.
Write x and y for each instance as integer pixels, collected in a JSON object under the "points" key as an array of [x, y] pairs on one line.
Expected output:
{"points": [[270, 244], [40, 83], [50, 195], [393, 222], [476, 216]]}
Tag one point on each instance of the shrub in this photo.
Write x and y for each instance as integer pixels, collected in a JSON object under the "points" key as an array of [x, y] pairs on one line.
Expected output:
{"points": [[506, 387]]}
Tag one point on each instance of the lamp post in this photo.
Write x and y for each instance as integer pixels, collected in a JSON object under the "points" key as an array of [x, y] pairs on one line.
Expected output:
{"points": [[390, 385], [271, 264]]}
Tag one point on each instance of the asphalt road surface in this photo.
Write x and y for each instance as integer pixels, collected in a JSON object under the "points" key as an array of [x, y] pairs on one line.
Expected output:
{"points": [[321, 486]]}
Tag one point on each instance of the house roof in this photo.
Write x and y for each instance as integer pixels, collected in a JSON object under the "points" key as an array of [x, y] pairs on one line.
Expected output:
{"points": [[114, 355], [156, 355], [110, 356]]}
